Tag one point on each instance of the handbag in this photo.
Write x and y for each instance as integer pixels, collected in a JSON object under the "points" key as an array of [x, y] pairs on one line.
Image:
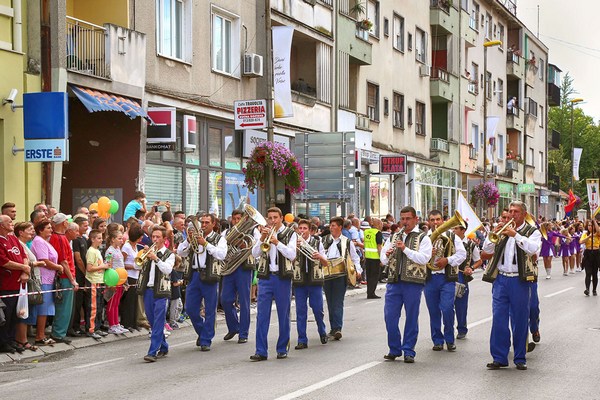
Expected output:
{"points": [[58, 296], [34, 288]]}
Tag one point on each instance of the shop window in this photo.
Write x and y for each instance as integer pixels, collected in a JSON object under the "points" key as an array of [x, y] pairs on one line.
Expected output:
{"points": [[215, 138], [232, 145], [164, 183], [215, 193], [237, 193], [192, 191]]}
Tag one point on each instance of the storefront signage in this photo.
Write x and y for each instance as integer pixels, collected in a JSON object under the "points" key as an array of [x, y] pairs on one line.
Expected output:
{"points": [[370, 157], [46, 150], [160, 146], [505, 188], [162, 129], [252, 138], [543, 199], [189, 132], [45, 115], [250, 114], [526, 188], [392, 164]]}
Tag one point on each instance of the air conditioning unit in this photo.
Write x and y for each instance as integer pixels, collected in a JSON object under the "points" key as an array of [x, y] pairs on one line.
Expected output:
{"points": [[253, 65], [424, 70]]}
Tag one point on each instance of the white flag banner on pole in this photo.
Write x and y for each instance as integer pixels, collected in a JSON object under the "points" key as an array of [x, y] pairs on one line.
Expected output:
{"points": [[593, 190], [467, 213], [490, 134], [576, 159], [282, 46]]}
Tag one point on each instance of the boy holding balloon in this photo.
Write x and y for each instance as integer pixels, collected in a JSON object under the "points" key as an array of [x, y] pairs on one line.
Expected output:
{"points": [[95, 277]]}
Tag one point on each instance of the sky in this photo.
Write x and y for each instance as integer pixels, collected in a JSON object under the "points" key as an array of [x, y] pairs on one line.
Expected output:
{"points": [[569, 29]]}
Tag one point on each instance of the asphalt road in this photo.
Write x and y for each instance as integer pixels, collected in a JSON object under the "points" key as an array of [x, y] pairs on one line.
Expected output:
{"points": [[565, 363]]}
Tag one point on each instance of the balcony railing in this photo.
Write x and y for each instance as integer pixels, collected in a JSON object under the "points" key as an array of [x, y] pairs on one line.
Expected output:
{"points": [[473, 153], [439, 73], [438, 144], [86, 48], [512, 111], [441, 4], [473, 88], [512, 165], [512, 56]]}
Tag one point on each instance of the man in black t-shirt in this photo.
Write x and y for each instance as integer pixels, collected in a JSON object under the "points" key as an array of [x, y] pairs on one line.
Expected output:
{"points": [[80, 248]]}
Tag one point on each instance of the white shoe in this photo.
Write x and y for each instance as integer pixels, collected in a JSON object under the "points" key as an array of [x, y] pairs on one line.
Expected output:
{"points": [[167, 333], [565, 274], [123, 329], [548, 277], [114, 330]]}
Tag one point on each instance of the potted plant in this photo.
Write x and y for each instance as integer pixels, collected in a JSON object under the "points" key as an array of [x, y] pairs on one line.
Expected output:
{"points": [[488, 192], [281, 160], [365, 24]]}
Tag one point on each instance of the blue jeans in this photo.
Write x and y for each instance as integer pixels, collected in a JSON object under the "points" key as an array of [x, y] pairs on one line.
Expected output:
{"points": [[335, 291], [156, 311], [398, 295], [534, 309], [510, 303], [279, 290], [461, 305], [314, 295], [197, 291], [238, 283], [439, 296]]}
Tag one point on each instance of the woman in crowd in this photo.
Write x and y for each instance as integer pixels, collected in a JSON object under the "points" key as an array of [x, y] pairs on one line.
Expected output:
{"points": [[565, 250], [43, 251], [591, 256], [578, 250], [547, 251], [574, 249], [25, 232], [115, 258], [129, 300]]}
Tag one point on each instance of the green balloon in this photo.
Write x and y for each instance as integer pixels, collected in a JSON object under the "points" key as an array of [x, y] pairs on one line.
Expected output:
{"points": [[111, 277], [114, 207]]}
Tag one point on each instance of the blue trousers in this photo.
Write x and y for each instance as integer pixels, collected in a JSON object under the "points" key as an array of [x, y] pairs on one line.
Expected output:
{"points": [[439, 296], [534, 309], [279, 290], [197, 291], [398, 295], [461, 305], [238, 283], [63, 311], [335, 292], [314, 295], [510, 303], [156, 311]]}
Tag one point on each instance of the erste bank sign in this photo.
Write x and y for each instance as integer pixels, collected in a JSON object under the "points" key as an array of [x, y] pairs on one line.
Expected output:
{"points": [[46, 150]]}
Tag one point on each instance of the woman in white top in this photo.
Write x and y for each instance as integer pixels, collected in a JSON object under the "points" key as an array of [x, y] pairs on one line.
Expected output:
{"points": [[129, 309]]}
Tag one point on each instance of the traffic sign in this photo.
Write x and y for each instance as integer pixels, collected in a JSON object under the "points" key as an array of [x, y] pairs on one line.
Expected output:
{"points": [[250, 114]]}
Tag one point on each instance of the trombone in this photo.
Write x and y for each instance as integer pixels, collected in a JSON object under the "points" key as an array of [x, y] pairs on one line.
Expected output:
{"points": [[142, 255], [266, 245]]}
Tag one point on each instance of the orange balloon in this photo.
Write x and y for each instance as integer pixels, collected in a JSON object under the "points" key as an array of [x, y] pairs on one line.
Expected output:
{"points": [[471, 235], [289, 218], [103, 204], [93, 207], [122, 275]]}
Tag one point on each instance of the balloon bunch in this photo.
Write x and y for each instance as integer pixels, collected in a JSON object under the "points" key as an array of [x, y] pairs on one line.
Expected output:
{"points": [[115, 277], [105, 207]]}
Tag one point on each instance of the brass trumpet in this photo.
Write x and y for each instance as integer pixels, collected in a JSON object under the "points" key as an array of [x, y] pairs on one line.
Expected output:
{"points": [[306, 249], [266, 245], [496, 236], [142, 255]]}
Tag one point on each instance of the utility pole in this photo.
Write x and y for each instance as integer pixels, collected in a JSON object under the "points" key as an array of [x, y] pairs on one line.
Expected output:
{"points": [[269, 174]]}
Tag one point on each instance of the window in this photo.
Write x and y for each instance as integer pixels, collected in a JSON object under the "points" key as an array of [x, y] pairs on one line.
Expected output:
{"points": [[530, 157], [541, 116], [420, 118], [475, 136], [421, 46], [409, 43], [373, 101], [500, 92], [398, 110], [398, 27], [541, 69], [464, 4], [173, 20], [501, 147], [386, 27], [488, 82], [410, 116], [541, 161], [501, 35], [474, 19], [373, 16], [215, 138], [386, 106], [488, 26], [531, 107], [225, 44]]}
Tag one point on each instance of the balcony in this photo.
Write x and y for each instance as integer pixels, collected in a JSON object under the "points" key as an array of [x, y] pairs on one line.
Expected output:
{"points": [[468, 29], [554, 140], [473, 153], [440, 145], [352, 41], [553, 95], [514, 119], [515, 66], [308, 13], [470, 94], [442, 85], [512, 165], [108, 52], [443, 17]]}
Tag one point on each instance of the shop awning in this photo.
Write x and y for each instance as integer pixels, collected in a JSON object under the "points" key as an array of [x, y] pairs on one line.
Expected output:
{"points": [[96, 100]]}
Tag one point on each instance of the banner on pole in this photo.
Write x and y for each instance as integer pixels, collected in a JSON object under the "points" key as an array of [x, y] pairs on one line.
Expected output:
{"points": [[593, 190], [490, 134], [282, 45], [576, 159], [467, 213]]}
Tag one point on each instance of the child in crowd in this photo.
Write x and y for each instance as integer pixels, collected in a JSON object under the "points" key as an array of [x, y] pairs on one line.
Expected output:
{"points": [[115, 258], [95, 278], [565, 250]]}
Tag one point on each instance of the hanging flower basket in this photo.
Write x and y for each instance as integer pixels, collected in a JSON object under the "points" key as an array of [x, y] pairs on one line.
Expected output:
{"points": [[365, 24], [281, 160], [488, 192]]}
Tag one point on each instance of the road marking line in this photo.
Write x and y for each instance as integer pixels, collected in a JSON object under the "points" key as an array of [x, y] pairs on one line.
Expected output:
{"points": [[14, 382], [99, 363], [372, 301], [181, 344], [559, 292], [327, 382], [480, 322]]}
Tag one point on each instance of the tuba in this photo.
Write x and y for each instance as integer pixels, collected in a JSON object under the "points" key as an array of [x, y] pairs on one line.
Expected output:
{"points": [[240, 239], [142, 255], [439, 247], [194, 232]]}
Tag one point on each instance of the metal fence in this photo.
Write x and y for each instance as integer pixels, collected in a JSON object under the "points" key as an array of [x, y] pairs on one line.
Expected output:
{"points": [[86, 48]]}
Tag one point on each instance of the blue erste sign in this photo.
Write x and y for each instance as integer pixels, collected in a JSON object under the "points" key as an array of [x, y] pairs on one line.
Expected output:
{"points": [[45, 115], [46, 150]]}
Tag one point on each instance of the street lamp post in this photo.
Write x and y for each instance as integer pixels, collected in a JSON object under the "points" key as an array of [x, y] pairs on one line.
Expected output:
{"points": [[573, 102], [485, 96]]}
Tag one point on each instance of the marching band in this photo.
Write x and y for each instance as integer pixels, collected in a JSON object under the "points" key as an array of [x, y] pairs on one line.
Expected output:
{"points": [[296, 260]]}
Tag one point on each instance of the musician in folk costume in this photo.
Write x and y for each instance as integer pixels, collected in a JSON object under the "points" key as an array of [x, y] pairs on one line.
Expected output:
{"points": [[343, 266], [440, 288], [406, 254], [155, 287], [205, 251], [512, 270], [308, 281], [276, 248], [465, 275], [237, 286]]}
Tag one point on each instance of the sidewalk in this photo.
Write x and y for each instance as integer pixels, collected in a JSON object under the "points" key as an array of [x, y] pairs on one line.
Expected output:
{"points": [[83, 342]]}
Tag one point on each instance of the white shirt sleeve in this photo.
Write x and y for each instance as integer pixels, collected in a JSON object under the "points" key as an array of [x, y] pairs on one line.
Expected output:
{"points": [[183, 249], [531, 244], [386, 246], [166, 266], [219, 251], [476, 254], [289, 250], [256, 251], [460, 254], [423, 255]]}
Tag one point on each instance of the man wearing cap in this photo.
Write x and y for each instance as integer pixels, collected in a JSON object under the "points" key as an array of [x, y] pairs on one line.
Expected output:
{"points": [[64, 308], [373, 244]]}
